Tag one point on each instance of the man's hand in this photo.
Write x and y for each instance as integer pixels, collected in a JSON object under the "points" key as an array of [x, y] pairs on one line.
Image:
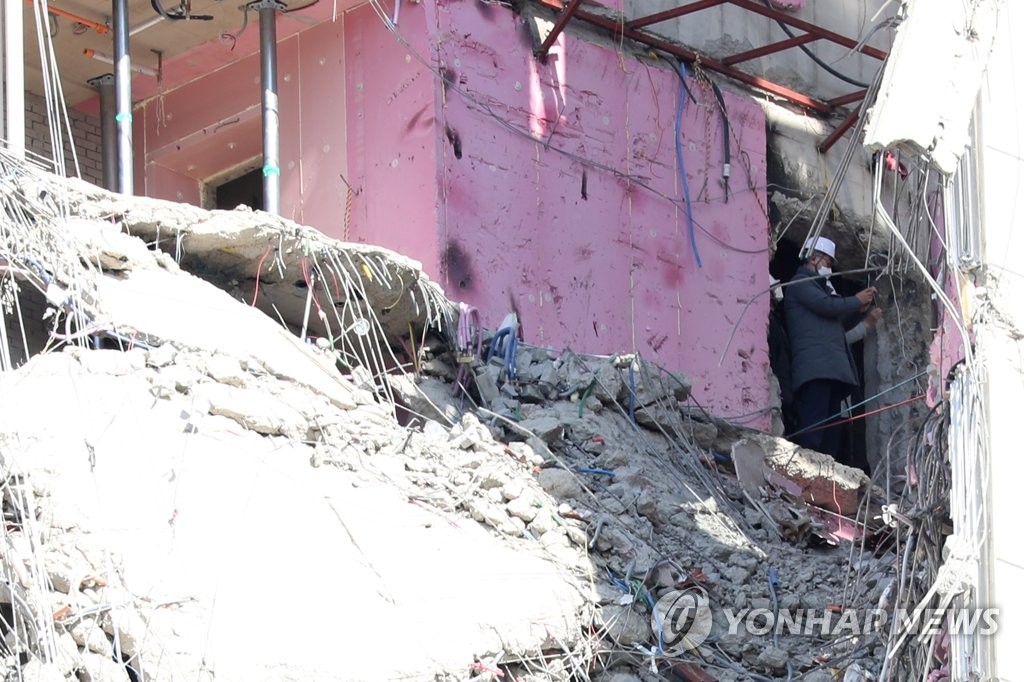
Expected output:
{"points": [[873, 317], [866, 297]]}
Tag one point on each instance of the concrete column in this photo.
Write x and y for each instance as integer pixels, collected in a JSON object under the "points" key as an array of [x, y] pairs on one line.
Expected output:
{"points": [[1001, 183]]}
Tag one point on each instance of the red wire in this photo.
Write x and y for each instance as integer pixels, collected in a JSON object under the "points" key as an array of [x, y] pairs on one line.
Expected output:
{"points": [[259, 269], [866, 414]]}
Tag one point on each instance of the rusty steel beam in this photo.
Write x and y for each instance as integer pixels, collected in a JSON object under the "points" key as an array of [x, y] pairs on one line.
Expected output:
{"points": [[556, 30], [848, 99], [673, 13], [808, 27], [840, 130], [617, 28], [769, 49]]}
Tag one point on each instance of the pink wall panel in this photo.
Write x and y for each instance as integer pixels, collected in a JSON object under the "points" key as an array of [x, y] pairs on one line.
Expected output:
{"points": [[172, 185], [612, 270], [322, 139], [392, 136], [212, 124]]}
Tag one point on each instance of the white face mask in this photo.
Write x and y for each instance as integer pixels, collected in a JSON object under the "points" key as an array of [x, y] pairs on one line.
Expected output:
{"points": [[824, 270]]}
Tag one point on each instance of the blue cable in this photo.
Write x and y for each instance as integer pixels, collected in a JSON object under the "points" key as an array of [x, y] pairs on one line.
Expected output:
{"points": [[499, 336], [826, 420], [507, 351], [682, 167], [594, 470], [511, 368], [773, 584]]}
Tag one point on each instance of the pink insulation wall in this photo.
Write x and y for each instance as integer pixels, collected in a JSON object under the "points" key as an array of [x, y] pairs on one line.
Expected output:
{"points": [[210, 124], [542, 209], [393, 136], [549, 188]]}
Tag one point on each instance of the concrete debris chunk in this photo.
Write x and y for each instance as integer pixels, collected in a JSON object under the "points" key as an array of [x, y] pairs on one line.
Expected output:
{"points": [[548, 429], [427, 397], [253, 410], [36, 671], [623, 625], [226, 370], [87, 633], [773, 659], [609, 386], [103, 669], [559, 483]]}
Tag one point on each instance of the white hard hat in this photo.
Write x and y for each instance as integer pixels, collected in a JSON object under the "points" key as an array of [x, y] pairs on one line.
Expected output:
{"points": [[822, 244]]}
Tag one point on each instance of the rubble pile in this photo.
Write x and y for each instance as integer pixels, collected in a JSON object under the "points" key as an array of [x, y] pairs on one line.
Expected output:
{"points": [[670, 497], [191, 491]]}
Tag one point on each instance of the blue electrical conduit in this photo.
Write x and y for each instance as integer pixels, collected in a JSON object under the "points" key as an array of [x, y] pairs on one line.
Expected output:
{"points": [[505, 344], [773, 586], [682, 167]]}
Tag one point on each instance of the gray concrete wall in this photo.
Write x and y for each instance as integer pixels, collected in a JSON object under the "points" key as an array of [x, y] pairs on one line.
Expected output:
{"points": [[727, 30]]}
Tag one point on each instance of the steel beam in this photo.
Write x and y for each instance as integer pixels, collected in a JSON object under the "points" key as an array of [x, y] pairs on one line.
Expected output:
{"points": [[848, 99], [557, 29], [616, 28], [808, 27], [769, 49], [673, 13], [840, 130]]}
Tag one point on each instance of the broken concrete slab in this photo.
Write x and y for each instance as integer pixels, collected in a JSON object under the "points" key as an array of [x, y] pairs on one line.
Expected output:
{"points": [[426, 397], [246, 249]]}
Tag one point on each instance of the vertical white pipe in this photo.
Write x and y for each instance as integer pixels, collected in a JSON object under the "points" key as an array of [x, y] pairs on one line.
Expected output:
{"points": [[271, 115], [123, 89], [14, 75]]}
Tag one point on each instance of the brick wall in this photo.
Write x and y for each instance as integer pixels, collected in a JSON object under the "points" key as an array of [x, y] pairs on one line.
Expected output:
{"points": [[86, 130]]}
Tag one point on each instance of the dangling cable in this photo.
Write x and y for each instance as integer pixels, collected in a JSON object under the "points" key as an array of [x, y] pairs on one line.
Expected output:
{"points": [[682, 167]]}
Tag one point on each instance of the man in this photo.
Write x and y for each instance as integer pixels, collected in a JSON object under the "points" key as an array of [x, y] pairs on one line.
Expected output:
{"points": [[823, 369], [779, 356]]}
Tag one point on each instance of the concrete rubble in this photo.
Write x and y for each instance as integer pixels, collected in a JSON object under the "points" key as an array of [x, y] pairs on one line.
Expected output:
{"points": [[212, 497]]}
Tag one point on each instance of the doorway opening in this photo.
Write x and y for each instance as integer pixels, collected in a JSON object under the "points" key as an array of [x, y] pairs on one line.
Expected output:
{"points": [[243, 190], [853, 450]]}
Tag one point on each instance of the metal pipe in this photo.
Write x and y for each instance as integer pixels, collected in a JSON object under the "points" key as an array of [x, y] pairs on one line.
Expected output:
{"points": [[673, 13], [14, 73], [107, 59], [57, 12], [3, 89], [840, 130], [617, 29], [271, 116], [808, 27], [108, 128], [123, 92], [148, 23], [560, 24]]}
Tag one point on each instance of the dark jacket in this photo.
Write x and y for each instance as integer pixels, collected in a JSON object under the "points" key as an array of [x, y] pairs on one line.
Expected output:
{"points": [[815, 321], [779, 354]]}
